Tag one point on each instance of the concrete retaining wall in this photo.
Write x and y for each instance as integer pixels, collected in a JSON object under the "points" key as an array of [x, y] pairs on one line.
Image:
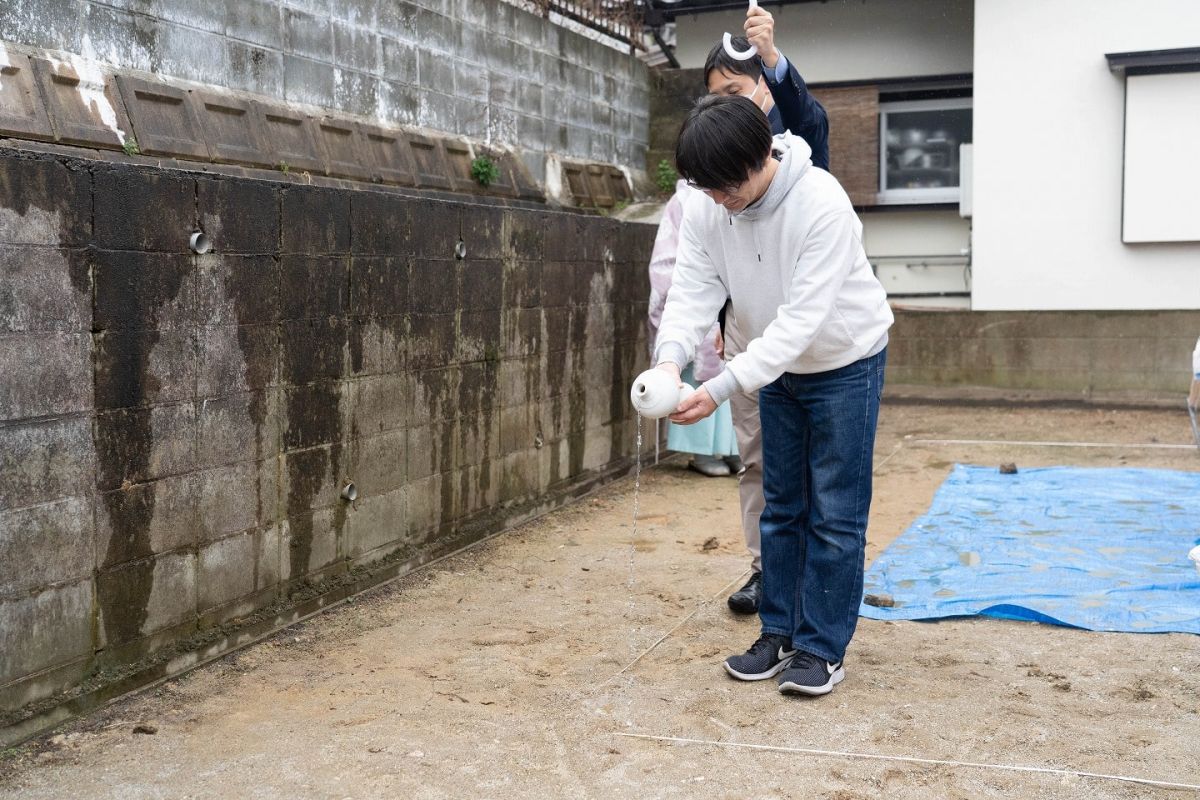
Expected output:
{"points": [[175, 429], [1137, 353], [479, 68]]}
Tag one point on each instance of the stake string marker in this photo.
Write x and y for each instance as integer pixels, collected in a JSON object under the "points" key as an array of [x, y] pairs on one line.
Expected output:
{"points": [[912, 760], [704, 603], [895, 450], [678, 625]]}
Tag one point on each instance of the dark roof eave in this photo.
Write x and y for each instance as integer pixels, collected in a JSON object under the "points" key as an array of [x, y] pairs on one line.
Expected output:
{"points": [[1151, 62], [685, 8]]}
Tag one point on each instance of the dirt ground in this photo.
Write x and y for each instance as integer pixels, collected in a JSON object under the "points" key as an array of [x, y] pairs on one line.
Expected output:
{"points": [[505, 672]]}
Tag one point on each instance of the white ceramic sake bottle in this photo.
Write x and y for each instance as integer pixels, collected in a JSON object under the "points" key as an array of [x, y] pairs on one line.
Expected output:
{"points": [[655, 393]]}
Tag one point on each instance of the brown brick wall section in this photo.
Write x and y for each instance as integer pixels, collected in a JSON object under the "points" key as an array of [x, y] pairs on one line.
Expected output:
{"points": [[854, 139]]}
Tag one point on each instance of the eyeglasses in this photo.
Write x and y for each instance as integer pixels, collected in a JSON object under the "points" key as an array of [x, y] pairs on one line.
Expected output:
{"points": [[709, 192]]}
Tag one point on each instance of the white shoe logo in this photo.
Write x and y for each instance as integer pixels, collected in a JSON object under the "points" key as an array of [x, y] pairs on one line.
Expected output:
{"points": [[831, 668], [782, 655]]}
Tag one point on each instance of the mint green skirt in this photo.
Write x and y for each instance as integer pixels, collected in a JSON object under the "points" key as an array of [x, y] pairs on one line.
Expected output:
{"points": [[712, 436]]}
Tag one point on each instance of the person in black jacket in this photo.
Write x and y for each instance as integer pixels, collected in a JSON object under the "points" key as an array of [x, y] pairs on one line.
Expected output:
{"points": [[772, 83]]}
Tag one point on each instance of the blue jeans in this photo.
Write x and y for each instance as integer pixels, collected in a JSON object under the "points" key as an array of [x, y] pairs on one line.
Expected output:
{"points": [[818, 434]]}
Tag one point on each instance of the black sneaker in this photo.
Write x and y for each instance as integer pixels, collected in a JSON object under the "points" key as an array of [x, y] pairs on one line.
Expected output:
{"points": [[765, 658], [808, 674], [745, 600]]}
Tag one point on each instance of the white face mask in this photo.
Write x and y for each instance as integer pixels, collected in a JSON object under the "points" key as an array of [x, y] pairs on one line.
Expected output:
{"points": [[750, 97]]}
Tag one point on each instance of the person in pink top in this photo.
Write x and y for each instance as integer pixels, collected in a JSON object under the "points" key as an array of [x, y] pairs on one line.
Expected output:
{"points": [[712, 442]]}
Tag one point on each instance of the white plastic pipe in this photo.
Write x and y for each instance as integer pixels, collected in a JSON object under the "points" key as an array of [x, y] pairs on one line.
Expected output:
{"points": [[740, 55], [199, 243]]}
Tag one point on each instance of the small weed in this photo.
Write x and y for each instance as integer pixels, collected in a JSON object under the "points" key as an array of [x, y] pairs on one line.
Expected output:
{"points": [[617, 208], [665, 177], [284, 168], [485, 171], [130, 146]]}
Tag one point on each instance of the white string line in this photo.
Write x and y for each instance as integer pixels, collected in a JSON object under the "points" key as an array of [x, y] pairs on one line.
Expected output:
{"points": [[725, 588], [679, 625], [913, 760], [895, 450], [1122, 445]]}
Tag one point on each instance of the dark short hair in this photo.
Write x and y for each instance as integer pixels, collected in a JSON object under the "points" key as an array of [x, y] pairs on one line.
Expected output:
{"points": [[722, 141], [720, 60]]}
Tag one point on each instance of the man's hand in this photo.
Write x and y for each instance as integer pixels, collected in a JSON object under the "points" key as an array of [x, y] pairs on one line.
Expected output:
{"points": [[698, 406], [760, 30], [719, 344]]}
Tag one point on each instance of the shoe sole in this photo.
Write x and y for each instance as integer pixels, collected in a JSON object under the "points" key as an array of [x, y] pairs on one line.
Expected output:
{"points": [[787, 687], [760, 676], [710, 473], [742, 608]]}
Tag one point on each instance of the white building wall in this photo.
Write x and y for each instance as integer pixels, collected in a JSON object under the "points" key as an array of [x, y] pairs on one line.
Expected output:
{"points": [[851, 40], [919, 252], [868, 40], [1049, 123]]}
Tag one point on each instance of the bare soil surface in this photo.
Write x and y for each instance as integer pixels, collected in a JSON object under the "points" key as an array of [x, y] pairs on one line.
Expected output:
{"points": [[513, 670]]}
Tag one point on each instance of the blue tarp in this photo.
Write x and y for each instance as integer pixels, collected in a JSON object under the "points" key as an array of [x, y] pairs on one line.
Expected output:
{"points": [[1101, 549]]}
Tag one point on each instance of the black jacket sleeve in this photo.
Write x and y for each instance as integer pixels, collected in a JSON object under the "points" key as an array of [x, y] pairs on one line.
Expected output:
{"points": [[801, 113]]}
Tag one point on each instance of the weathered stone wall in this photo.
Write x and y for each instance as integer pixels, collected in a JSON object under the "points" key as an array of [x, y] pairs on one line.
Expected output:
{"points": [[1084, 352], [176, 429], [673, 92], [479, 68]]}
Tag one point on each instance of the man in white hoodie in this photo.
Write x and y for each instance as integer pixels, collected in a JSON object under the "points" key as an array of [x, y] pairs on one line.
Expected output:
{"points": [[781, 240]]}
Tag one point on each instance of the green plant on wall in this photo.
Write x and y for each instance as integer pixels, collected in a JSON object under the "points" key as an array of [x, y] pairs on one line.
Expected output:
{"points": [[485, 171], [130, 146], [617, 208], [665, 176]]}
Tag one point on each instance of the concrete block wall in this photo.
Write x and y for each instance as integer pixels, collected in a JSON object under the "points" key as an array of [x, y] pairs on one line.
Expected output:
{"points": [[176, 429], [1139, 353], [672, 94], [479, 68]]}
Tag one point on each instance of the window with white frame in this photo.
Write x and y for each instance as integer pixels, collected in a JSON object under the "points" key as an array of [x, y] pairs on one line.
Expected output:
{"points": [[919, 149]]}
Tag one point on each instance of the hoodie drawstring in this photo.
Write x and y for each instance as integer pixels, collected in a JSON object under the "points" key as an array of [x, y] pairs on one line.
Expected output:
{"points": [[754, 233]]}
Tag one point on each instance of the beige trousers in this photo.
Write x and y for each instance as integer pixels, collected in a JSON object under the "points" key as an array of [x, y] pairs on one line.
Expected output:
{"points": [[748, 430]]}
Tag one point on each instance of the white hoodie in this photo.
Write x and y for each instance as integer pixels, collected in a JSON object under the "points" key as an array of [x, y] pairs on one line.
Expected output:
{"points": [[792, 263]]}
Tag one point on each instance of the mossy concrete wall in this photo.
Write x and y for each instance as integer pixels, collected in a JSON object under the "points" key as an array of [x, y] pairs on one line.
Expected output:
{"points": [[176, 429]]}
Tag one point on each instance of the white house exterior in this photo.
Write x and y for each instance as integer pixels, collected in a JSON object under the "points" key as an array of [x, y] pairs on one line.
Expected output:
{"points": [[1048, 214], [1046, 119]]}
